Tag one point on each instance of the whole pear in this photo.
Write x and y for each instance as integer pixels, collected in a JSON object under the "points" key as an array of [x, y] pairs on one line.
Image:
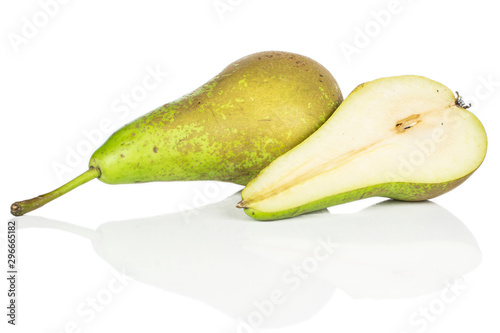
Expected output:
{"points": [[405, 137], [255, 110]]}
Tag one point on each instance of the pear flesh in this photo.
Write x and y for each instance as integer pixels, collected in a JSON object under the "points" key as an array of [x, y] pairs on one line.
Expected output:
{"points": [[255, 110], [407, 138]]}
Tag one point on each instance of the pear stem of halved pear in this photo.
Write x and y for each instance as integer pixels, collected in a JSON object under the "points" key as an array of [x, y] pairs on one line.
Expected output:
{"points": [[22, 207], [460, 102]]}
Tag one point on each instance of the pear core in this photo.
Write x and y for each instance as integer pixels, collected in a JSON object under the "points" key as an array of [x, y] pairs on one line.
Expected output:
{"points": [[405, 137]]}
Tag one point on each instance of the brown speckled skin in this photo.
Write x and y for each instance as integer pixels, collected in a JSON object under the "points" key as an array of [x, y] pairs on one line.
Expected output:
{"points": [[255, 110]]}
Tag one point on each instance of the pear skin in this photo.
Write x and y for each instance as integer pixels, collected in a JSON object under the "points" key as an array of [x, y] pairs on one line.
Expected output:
{"points": [[255, 110], [406, 138]]}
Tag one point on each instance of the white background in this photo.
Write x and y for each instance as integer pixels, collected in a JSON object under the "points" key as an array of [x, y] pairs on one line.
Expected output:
{"points": [[206, 270]]}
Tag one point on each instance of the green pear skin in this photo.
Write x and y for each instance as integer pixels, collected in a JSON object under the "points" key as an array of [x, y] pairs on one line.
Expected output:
{"points": [[405, 137], [397, 191], [255, 110]]}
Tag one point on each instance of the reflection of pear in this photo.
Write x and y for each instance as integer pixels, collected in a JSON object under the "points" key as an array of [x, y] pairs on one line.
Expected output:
{"points": [[200, 254], [392, 249]]}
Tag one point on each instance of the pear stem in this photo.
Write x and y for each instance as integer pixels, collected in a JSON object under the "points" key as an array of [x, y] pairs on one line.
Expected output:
{"points": [[22, 207]]}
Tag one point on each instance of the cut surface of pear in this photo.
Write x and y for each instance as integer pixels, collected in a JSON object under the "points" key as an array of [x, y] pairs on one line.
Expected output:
{"points": [[229, 129], [405, 137]]}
